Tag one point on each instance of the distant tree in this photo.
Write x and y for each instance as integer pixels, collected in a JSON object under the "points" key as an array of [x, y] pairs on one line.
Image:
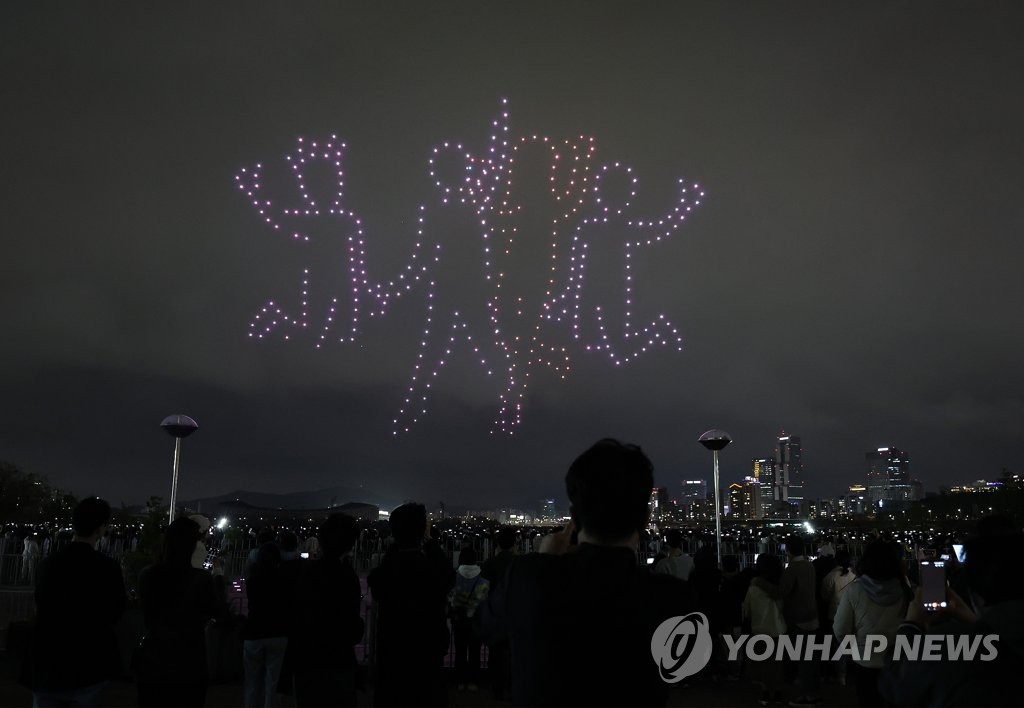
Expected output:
{"points": [[147, 551], [28, 498]]}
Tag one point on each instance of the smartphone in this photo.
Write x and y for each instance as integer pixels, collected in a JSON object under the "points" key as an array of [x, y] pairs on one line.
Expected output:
{"points": [[933, 584], [650, 561], [961, 554], [304, 555]]}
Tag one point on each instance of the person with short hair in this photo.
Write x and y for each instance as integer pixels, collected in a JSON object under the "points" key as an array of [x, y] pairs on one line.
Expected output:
{"points": [[677, 562], [265, 536], [80, 596], [580, 624], [410, 588], [799, 586], [327, 622], [266, 629]]}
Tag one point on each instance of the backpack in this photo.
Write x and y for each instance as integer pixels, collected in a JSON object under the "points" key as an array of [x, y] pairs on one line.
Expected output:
{"points": [[458, 601]]}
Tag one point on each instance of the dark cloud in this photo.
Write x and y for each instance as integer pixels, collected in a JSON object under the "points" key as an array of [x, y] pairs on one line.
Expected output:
{"points": [[852, 275]]}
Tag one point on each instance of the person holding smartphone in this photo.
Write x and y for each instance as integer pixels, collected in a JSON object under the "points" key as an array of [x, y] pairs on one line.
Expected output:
{"points": [[995, 608], [579, 618]]}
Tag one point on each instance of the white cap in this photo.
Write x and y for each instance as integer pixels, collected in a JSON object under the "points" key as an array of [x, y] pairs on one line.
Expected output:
{"points": [[204, 523]]}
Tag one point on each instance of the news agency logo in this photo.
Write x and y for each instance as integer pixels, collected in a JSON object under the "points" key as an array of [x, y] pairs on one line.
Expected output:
{"points": [[917, 647], [681, 646]]}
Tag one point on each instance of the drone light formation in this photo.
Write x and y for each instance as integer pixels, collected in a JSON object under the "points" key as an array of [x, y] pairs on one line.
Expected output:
{"points": [[525, 332]]}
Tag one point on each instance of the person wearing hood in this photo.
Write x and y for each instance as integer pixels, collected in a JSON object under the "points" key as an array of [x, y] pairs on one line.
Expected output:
{"points": [[470, 590], [873, 604], [833, 585], [762, 610]]}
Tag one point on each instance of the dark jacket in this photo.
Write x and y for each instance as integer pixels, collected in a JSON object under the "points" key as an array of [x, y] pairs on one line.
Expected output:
{"points": [[734, 590], [79, 597], [799, 588], [580, 626], [327, 621], [981, 682], [177, 604], [410, 589], [494, 569], [271, 598]]}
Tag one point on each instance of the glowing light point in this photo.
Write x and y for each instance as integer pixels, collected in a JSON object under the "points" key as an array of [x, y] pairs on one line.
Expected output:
{"points": [[527, 330]]}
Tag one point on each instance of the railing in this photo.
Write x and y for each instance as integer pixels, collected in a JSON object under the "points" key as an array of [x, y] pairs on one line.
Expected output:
{"points": [[18, 571], [16, 605]]}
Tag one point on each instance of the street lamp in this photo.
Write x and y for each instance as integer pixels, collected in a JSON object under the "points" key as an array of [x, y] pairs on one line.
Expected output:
{"points": [[179, 426], [715, 440]]}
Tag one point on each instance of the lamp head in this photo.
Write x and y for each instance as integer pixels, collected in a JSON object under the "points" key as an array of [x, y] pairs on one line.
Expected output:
{"points": [[179, 426], [714, 439]]}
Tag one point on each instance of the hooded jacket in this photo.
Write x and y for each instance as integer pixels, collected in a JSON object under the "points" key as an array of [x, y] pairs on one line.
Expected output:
{"points": [[871, 607], [763, 607], [470, 590]]}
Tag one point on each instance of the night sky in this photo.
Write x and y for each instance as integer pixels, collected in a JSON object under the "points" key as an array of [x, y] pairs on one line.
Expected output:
{"points": [[852, 276]]}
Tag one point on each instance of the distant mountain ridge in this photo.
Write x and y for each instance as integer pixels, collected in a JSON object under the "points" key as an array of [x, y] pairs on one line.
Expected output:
{"points": [[315, 499]]}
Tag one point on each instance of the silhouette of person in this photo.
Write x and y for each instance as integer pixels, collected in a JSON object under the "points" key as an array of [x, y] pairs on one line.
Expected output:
{"points": [[494, 570], [470, 589], [677, 562], [762, 611], [996, 607], [799, 587], [873, 604], [79, 597], [327, 620], [410, 587], [178, 601], [266, 628], [580, 624]]}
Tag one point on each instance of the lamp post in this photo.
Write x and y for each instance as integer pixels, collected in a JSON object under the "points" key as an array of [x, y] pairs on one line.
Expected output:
{"points": [[178, 426], [715, 440]]}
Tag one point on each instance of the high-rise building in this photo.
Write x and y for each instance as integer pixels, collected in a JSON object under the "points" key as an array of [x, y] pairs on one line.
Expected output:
{"points": [[745, 499], [737, 504], [855, 502], [691, 499], [889, 480], [547, 509], [789, 470], [658, 505], [764, 472], [694, 489]]}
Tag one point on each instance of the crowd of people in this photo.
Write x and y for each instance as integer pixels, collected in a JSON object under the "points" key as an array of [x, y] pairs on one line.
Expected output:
{"points": [[570, 624]]}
